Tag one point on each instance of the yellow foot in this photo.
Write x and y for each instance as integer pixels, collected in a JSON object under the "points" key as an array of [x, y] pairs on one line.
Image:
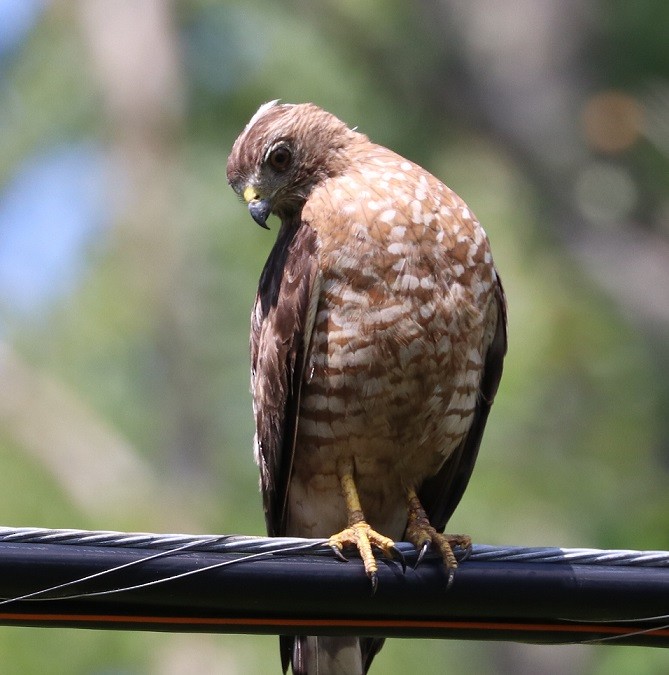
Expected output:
{"points": [[422, 535], [363, 537]]}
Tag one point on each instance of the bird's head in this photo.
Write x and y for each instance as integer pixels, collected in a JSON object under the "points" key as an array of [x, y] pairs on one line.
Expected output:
{"points": [[284, 151]]}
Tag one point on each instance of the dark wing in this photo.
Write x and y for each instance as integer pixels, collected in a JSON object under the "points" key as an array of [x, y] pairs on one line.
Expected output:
{"points": [[281, 326], [441, 494]]}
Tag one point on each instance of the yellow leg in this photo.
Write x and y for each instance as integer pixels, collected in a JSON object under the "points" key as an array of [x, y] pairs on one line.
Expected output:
{"points": [[359, 533], [422, 535]]}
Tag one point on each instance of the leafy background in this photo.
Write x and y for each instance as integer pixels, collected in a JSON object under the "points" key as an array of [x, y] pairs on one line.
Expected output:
{"points": [[128, 268]]}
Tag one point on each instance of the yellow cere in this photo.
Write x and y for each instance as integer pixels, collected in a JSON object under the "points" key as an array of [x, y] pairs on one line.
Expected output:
{"points": [[250, 194]]}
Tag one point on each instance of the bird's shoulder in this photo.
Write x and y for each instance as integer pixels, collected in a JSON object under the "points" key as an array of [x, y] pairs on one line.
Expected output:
{"points": [[392, 207]]}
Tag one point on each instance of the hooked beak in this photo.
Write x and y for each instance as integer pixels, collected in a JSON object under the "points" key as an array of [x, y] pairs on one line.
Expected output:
{"points": [[258, 208]]}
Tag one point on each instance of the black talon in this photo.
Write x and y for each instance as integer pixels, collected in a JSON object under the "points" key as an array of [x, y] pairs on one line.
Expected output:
{"points": [[373, 577], [466, 552], [339, 554], [397, 554], [451, 576], [421, 553]]}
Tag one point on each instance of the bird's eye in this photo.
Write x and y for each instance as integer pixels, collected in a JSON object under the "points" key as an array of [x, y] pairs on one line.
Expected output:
{"points": [[279, 158]]}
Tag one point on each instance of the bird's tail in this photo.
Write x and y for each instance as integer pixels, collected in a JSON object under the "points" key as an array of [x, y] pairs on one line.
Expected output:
{"points": [[325, 655]]}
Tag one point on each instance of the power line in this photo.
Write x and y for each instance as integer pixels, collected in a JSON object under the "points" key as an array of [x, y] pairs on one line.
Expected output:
{"points": [[236, 584]]}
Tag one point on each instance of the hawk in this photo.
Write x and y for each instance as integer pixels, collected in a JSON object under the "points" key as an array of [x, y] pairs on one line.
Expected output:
{"points": [[377, 340]]}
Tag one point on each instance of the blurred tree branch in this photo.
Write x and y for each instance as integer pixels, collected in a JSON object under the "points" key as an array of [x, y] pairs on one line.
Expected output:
{"points": [[97, 468], [137, 63]]}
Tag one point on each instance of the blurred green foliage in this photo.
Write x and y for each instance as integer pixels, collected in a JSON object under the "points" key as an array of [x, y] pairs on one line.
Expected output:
{"points": [[148, 349]]}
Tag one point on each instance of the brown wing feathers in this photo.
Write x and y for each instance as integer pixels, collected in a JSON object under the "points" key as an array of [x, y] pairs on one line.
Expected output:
{"points": [[279, 343]]}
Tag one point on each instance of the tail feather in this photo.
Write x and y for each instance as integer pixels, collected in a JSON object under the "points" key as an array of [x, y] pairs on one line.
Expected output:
{"points": [[326, 655]]}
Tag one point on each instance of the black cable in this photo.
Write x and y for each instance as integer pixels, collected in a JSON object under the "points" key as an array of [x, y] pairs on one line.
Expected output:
{"points": [[258, 585]]}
